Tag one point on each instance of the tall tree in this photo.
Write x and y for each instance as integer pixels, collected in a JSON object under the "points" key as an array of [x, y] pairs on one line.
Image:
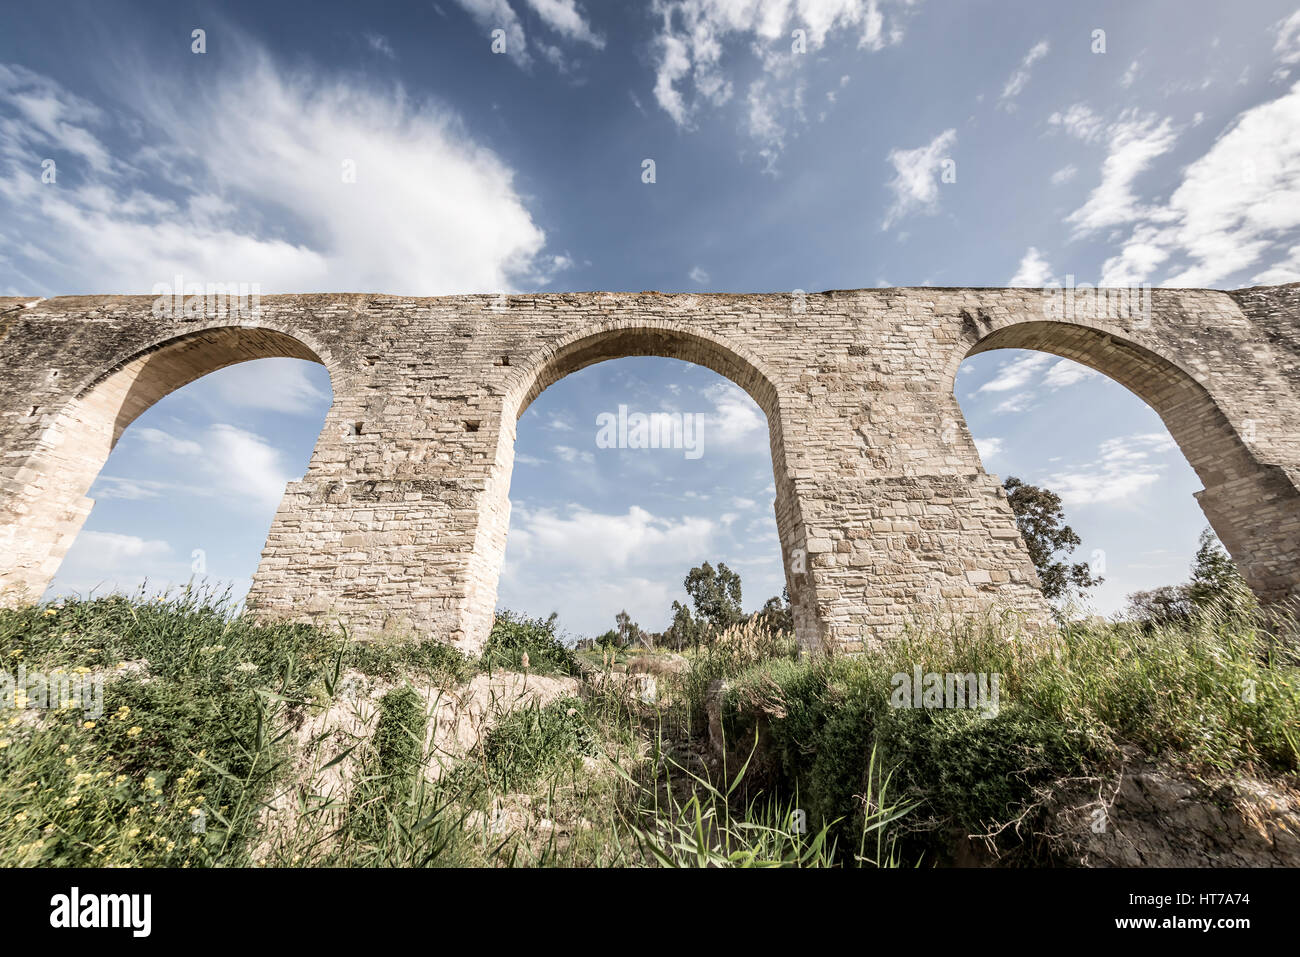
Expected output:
{"points": [[1213, 572], [629, 632], [1042, 524], [684, 630], [777, 613], [1165, 605], [715, 594], [1215, 579]]}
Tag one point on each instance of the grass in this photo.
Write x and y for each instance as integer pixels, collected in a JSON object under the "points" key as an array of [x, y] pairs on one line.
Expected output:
{"points": [[197, 758], [171, 772], [1217, 695], [526, 744]]}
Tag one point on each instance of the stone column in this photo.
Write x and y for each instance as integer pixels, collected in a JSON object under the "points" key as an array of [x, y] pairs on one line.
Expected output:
{"points": [[384, 534], [897, 517]]}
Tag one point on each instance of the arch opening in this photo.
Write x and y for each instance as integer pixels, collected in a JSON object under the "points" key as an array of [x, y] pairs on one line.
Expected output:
{"points": [[1240, 497], [70, 451], [596, 358]]}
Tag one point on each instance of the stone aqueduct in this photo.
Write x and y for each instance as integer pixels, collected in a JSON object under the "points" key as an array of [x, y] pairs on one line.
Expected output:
{"points": [[882, 504]]}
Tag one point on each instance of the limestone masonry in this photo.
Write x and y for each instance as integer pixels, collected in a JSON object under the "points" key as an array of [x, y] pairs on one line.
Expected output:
{"points": [[882, 505]]}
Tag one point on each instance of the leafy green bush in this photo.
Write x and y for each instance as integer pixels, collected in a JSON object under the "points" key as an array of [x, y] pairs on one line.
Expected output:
{"points": [[514, 636], [1221, 693], [526, 744], [399, 738], [431, 658]]}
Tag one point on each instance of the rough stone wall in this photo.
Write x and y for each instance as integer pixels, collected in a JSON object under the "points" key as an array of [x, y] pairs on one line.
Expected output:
{"points": [[882, 506]]}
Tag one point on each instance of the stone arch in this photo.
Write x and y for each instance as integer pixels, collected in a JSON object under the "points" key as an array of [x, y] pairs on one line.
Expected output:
{"points": [[623, 339], [69, 452], [1245, 500]]}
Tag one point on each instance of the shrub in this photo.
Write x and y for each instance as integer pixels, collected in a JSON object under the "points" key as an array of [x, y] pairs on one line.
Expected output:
{"points": [[526, 744], [1220, 693], [399, 739], [432, 658], [515, 635]]}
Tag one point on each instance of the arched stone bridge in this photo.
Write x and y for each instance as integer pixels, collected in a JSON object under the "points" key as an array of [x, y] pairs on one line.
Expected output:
{"points": [[882, 504]]}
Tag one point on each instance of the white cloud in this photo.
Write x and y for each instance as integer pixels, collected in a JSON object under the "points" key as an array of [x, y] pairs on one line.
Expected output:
{"points": [[1287, 44], [1034, 270], [228, 461], [589, 540], [1140, 255], [242, 179], [698, 275], [566, 453], [1233, 204], [1134, 141], [916, 185], [1080, 122], [1064, 174], [1286, 270], [111, 486], [1130, 75], [988, 448], [107, 550], [1020, 78], [493, 15], [1020, 402], [770, 106], [695, 36], [379, 43], [735, 417], [1066, 372], [248, 466], [1122, 470], [279, 385], [1016, 373], [166, 442], [566, 19], [103, 561]]}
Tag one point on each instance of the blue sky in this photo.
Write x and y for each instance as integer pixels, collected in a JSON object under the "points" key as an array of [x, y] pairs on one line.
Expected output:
{"points": [[1170, 159]]}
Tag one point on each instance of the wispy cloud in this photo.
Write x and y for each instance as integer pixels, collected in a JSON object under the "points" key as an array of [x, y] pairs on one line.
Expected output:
{"points": [[277, 385], [1134, 141], [224, 460], [1124, 467], [1016, 373], [379, 44], [916, 182], [1020, 78], [696, 36], [429, 210]]}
